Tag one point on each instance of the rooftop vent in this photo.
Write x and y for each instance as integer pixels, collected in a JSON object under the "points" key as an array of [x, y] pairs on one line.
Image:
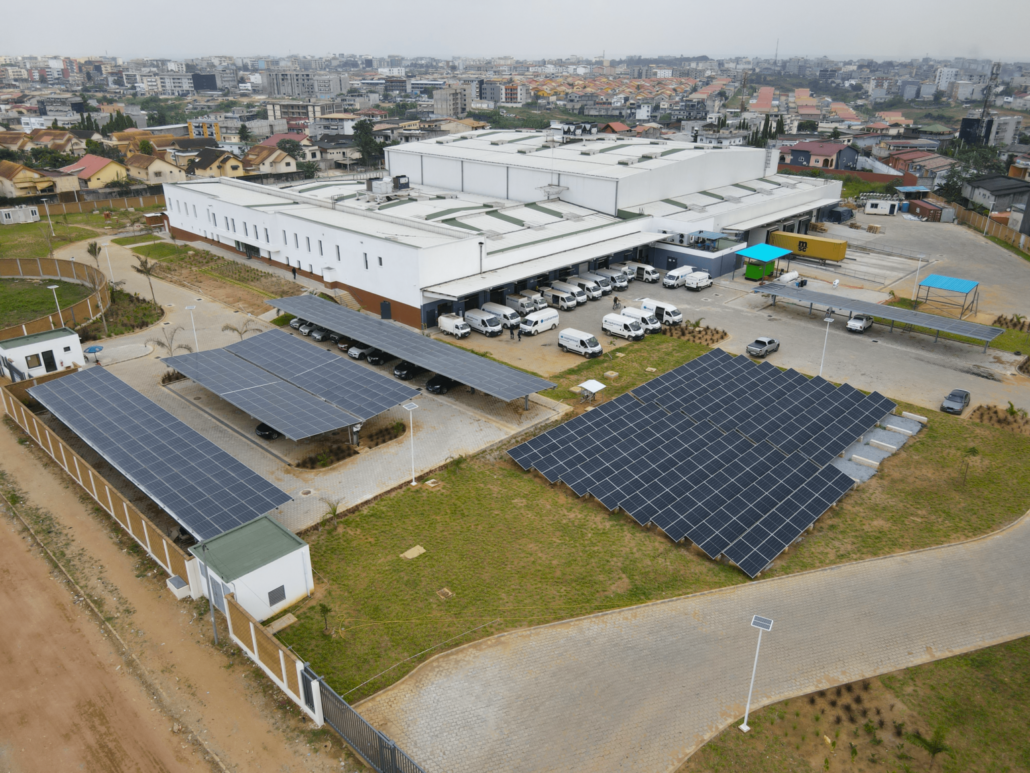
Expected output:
{"points": [[573, 216], [589, 152], [628, 161]]}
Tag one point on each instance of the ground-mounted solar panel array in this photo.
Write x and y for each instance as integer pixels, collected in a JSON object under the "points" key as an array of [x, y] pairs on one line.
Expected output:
{"points": [[722, 451], [201, 486]]}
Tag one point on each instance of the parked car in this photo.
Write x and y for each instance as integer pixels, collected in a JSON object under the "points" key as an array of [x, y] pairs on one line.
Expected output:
{"points": [[406, 371], [956, 402], [334, 337], [266, 432], [319, 334], [307, 328], [579, 342], [860, 323], [440, 385], [296, 322], [360, 351], [379, 357], [763, 346]]}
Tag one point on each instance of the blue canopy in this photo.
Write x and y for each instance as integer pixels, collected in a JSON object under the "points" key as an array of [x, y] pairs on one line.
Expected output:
{"points": [[912, 189], [764, 253], [941, 282]]}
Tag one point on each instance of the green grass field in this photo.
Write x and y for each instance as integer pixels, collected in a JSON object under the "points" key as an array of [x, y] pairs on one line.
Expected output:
{"points": [[161, 251], [25, 300], [128, 241], [28, 240]]}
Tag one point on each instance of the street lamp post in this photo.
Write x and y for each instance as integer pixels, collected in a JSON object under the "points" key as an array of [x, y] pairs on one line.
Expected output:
{"points": [[410, 408], [762, 624], [193, 322], [827, 319], [915, 282], [49, 221], [110, 271], [57, 303], [989, 213]]}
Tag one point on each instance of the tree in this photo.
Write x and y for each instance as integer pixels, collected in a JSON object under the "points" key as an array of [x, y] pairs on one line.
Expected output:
{"points": [[249, 326], [933, 745], [168, 343], [148, 268], [46, 158], [307, 168], [100, 149], [146, 147], [93, 249], [324, 610], [292, 148], [245, 135], [807, 126], [364, 137], [835, 134]]}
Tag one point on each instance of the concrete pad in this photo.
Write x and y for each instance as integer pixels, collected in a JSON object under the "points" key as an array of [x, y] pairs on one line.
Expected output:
{"points": [[865, 462], [894, 439], [283, 622], [415, 552], [902, 425], [914, 417], [115, 354], [853, 471]]}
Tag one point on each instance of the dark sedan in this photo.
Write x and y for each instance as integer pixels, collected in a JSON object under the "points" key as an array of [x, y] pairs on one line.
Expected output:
{"points": [[266, 432], [379, 357], [406, 371], [956, 402], [441, 385]]}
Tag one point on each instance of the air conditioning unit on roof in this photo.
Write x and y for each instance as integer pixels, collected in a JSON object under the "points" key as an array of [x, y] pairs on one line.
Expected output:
{"points": [[589, 152], [628, 161]]}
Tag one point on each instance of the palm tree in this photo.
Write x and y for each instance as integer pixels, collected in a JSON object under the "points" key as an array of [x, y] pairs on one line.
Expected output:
{"points": [[168, 344], [241, 330], [148, 268], [94, 281], [933, 745]]}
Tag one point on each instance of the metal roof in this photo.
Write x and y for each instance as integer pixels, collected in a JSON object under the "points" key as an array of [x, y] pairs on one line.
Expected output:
{"points": [[941, 282], [912, 189], [238, 552], [463, 366], [764, 253], [790, 211], [893, 313]]}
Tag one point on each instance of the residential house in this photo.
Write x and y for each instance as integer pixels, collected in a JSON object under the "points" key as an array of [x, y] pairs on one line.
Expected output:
{"points": [[929, 172], [58, 140], [997, 192], [96, 171], [614, 128], [19, 180], [153, 170], [214, 162], [16, 141], [337, 151], [901, 159], [262, 159], [824, 155], [651, 131], [332, 123]]}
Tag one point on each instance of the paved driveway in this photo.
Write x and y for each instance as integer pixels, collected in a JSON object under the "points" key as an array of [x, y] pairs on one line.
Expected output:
{"points": [[643, 688]]}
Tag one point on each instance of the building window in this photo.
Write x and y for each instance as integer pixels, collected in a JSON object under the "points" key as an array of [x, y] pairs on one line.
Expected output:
{"points": [[67, 348], [284, 238], [245, 233], [277, 596], [32, 361], [194, 211], [234, 225], [226, 222], [296, 241], [337, 252], [307, 240], [157, 174], [266, 236], [380, 260], [366, 261]]}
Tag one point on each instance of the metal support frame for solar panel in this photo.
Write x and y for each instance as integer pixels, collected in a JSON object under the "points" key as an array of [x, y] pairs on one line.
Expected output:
{"points": [[198, 484], [295, 413], [983, 333], [470, 369], [338, 380]]}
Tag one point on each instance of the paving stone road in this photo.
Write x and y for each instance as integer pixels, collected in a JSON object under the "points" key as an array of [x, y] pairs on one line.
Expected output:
{"points": [[643, 688]]}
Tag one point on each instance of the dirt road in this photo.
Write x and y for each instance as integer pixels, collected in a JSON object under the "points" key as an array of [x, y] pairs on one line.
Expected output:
{"points": [[68, 675]]}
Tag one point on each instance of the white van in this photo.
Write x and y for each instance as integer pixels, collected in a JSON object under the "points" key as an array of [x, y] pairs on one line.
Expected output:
{"points": [[522, 305], [647, 320], [623, 327], [699, 280], [589, 286], [535, 297], [452, 324], [629, 273], [484, 322], [677, 276], [558, 299], [508, 317], [539, 321], [578, 342], [603, 282], [571, 289], [618, 279], [643, 272], [665, 313]]}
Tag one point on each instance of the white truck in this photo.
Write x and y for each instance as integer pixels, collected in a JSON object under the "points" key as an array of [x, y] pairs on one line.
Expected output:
{"points": [[589, 286], [578, 342], [677, 276], [539, 321], [558, 299], [647, 320], [622, 327], [640, 271], [536, 298], [665, 313], [522, 305], [571, 289], [452, 324], [698, 280], [603, 282], [618, 279], [508, 317], [484, 322]]}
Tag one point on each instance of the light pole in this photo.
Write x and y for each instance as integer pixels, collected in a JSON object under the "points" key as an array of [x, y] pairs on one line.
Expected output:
{"points": [[410, 408], [827, 319], [915, 282], [762, 624], [193, 322], [49, 221], [56, 303], [989, 213], [211, 597], [110, 271]]}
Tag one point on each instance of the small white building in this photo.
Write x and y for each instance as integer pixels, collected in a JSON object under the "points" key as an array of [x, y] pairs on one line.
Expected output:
{"points": [[265, 565], [882, 207], [37, 354], [21, 214]]}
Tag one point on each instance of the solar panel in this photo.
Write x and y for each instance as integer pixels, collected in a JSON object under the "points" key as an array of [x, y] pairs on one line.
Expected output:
{"points": [[292, 411], [893, 313], [463, 366], [356, 389], [201, 486]]}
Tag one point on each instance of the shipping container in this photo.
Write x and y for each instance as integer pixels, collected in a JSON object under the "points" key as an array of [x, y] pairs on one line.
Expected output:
{"points": [[808, 246]]}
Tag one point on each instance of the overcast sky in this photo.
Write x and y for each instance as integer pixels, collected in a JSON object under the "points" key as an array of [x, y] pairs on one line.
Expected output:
{"points": [[526, 29]]}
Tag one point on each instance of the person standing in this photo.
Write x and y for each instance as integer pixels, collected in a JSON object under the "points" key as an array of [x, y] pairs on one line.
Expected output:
{"points": [[294, 273], [520, 334], [511, 333]]}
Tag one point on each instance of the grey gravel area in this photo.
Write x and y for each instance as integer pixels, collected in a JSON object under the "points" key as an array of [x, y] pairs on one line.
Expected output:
{"points": [[858, 472], [911, 425]]}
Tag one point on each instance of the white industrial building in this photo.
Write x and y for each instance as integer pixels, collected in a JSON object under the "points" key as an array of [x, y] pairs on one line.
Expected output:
{"points": [[468, 218]]}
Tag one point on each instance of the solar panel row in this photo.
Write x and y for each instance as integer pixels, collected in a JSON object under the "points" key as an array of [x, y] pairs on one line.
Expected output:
{"points": [[465, 367], [201, 486], [748, 440]]}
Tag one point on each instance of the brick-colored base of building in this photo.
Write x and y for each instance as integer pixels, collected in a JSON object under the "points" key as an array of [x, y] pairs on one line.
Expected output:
{"points": [[408, 315]]}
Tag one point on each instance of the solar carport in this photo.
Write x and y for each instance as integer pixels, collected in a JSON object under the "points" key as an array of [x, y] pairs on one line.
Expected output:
{"points": [[813, 298], [201, 486], [487, 376]]}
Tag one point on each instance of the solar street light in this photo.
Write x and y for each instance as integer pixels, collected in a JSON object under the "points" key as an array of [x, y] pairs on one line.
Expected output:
{"points": [[410, 408], [56, 303], [762, 624], [827, 319], [195, 341]]}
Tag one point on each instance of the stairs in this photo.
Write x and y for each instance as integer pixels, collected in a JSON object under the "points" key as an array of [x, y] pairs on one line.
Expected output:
{"points": [[343, 298]]}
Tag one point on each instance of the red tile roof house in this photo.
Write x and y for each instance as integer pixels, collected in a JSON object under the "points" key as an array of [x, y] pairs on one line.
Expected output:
{"points": [[614, 128], [275, 139], [96, 171]]}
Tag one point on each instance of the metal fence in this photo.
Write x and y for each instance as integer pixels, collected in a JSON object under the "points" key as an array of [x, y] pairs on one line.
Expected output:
{"points": [[372, 746]]}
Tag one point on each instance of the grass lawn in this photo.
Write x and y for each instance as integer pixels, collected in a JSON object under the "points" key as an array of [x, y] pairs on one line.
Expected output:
{"points": [[853, 186], [283, 320], [978, 700], [27, 240], [162, 251], [126, 314], [516, 551], [23, 300], [127, 241]]}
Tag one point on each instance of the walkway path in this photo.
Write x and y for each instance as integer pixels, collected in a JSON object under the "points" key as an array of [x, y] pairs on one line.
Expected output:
{"points": [[641, 689]]}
